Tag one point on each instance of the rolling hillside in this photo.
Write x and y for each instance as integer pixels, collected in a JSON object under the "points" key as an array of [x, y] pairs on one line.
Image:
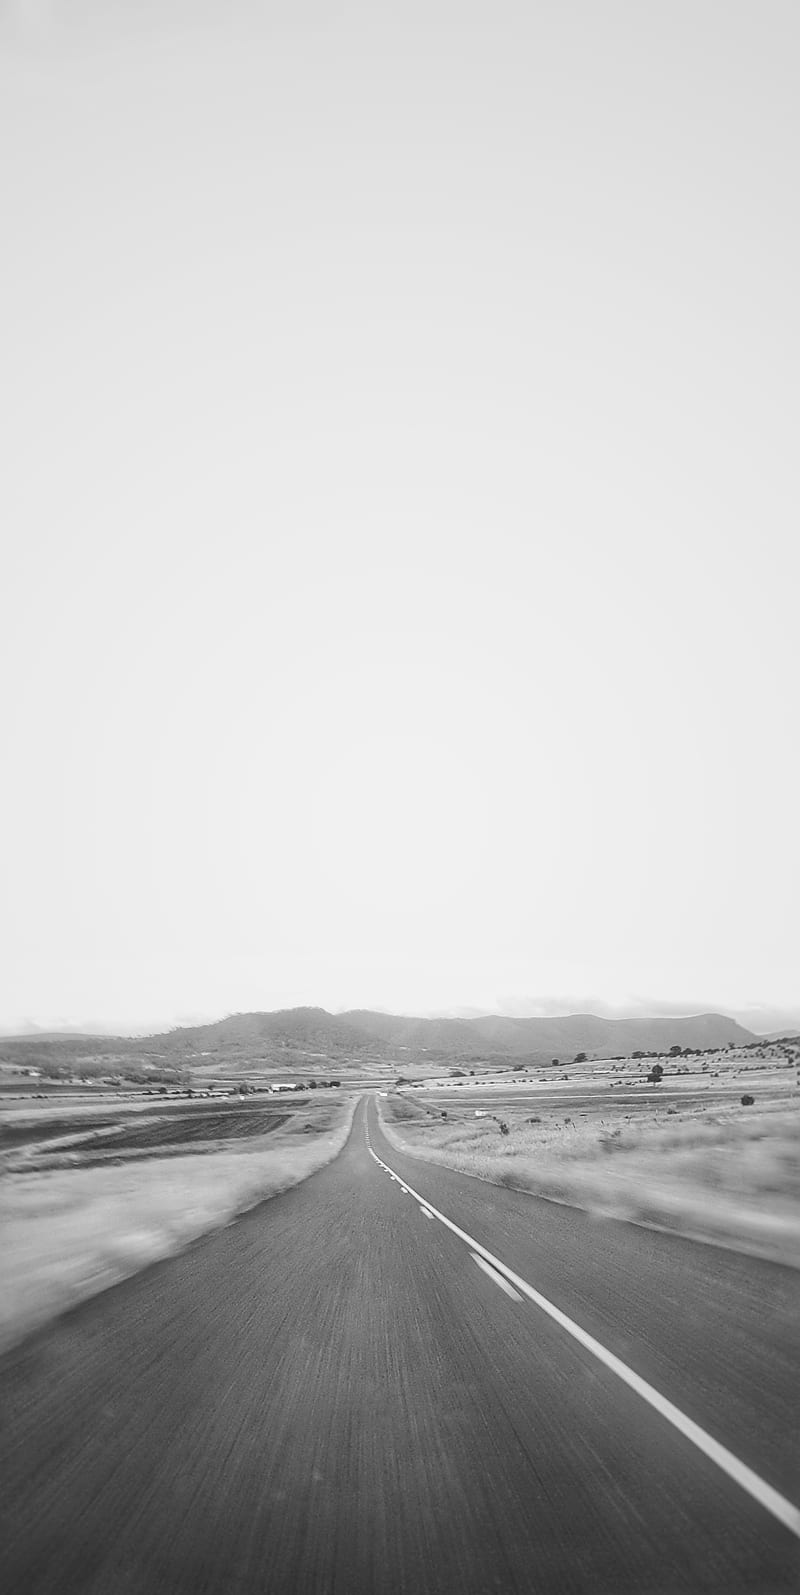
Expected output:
{"points": [[552, 1037], [297, 1035]]}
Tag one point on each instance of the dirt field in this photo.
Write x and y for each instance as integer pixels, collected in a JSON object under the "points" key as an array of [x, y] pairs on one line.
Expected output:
{"points": [[61, 1144]]}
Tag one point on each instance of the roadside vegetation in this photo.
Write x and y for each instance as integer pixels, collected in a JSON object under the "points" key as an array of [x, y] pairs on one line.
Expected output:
{"points": [[103, 1198], [709, 1148]]}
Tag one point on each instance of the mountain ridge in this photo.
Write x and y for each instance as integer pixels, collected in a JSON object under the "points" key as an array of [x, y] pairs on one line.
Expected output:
{"points": [[360, 1032]]}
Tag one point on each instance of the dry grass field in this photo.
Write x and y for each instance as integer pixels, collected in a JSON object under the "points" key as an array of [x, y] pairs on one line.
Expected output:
{"points": [[686, 1154], [108, 1193]]}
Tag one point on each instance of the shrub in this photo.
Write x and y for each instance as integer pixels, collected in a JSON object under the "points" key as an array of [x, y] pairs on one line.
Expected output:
{"points": [[747, 1101], [608, 1142]]}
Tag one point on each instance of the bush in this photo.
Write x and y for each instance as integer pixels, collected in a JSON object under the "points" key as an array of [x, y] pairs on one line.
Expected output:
{"points": [[747, 1102], [503, 1127]]}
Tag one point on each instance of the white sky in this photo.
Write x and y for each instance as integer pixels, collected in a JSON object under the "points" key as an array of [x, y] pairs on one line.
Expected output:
{"points": [[399, 504]]}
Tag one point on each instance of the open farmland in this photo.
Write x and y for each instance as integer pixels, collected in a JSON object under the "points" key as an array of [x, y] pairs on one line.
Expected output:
{"points": [[60, 1144], [155, 1134], [686, 1154]]}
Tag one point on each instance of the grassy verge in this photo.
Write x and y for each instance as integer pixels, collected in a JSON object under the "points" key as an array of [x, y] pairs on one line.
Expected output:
{"points": [[70, 1233], [730, 1175]]}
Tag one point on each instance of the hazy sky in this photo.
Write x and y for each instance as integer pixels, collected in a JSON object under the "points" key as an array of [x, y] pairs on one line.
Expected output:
{"points": [[399, 504]]}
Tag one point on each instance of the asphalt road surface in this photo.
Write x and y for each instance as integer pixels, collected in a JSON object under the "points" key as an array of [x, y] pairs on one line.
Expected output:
{"points": [[342, 1394]]}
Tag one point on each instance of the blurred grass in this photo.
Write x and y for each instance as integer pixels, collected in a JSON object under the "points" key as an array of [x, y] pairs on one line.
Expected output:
{"points": [[70, 1233], [731, 1175]]}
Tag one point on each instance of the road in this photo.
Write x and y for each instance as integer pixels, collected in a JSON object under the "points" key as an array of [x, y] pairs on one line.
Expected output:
{"points": [[340, 1394]]}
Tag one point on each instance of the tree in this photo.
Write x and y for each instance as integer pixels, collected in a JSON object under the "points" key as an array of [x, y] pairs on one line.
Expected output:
{"points": [[580, 1057], [675, 1051], [655, 1074]]}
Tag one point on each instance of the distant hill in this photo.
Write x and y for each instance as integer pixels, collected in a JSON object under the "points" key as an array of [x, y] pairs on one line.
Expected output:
{"points": [[311, 1030], [296, 1034], [561, 1036]]}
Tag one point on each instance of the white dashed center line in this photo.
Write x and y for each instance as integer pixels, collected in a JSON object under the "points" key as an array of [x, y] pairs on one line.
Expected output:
{"points": [[753, 1485]]}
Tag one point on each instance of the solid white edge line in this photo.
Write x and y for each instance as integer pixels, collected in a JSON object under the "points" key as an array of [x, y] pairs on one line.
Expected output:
{"points": [[496, 1277], [754, 1486]]}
